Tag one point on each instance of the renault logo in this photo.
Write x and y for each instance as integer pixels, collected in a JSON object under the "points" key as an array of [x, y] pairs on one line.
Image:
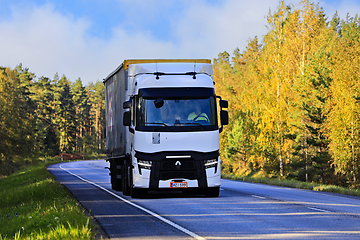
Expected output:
{"points": [[178, 163]]}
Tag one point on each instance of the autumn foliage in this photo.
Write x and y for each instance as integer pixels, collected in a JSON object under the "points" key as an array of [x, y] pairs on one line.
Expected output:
{"points": [[294, 98]]}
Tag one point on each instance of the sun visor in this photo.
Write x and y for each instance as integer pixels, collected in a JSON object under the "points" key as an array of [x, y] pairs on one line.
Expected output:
{"points": [[149, 68], [176, 92]]}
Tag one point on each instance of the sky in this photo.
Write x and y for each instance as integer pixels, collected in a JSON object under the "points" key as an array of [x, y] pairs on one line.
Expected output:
{"points": [[88, 39]]}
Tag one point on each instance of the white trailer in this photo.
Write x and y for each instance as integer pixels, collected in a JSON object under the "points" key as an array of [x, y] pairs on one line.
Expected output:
{"points": [[162, 129]]}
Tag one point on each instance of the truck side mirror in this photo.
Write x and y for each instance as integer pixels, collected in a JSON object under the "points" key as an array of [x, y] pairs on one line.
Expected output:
{"points": [[224, 104], [224, 117], [127, 104], [127, 118]]}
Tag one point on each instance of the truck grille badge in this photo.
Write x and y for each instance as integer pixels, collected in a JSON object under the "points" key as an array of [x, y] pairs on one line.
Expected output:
{"points": [[156, 138]]}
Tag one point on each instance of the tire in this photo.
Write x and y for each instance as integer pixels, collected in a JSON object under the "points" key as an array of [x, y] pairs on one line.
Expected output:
{"points": [[138, 192], [212, 192], [125, 178], [116, 183]]}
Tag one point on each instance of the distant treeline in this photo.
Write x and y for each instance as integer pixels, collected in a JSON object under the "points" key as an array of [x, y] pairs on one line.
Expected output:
{"points": [[47, 117], [294, 98]]}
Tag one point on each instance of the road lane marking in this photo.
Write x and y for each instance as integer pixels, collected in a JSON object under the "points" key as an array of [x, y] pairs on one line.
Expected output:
{"points": [[318, 209], [255, 196], [312, 208], [184, 230]]}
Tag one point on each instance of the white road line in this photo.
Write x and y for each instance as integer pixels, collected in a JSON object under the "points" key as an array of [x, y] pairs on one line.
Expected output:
{"points": [[317, 209], [255, 196], [194, 235]]}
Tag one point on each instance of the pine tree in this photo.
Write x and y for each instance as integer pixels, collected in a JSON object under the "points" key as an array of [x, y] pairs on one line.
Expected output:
{"points": [[43, 95], [17, 119], [81, 104], [65, 116]]}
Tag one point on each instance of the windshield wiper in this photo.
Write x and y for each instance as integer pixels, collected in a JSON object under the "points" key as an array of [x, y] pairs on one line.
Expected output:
{"points": [[160, 124], [196, 123]]}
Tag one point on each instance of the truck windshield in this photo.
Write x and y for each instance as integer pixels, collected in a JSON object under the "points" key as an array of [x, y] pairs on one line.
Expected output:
{"points": [[179, 112]]}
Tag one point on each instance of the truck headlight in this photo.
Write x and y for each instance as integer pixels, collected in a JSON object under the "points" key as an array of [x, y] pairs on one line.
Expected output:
{"points": [[210, 163], [144, 164]]}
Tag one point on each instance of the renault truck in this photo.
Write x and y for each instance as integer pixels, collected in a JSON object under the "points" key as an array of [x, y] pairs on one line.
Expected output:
{"points": [[163, 120]]}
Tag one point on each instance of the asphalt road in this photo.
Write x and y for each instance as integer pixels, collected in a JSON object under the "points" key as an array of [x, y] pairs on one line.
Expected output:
{"points": [[242, 211]]}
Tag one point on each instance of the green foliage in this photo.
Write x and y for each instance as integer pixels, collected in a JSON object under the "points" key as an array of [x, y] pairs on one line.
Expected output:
{"points": [[65, 115], [82, 113], [46, 141], [238, 151], [96, 95], [47, 117], [16, 118]]}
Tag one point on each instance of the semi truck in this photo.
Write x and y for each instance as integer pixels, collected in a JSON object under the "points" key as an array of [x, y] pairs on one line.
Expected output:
{"points": [[163, 121]]}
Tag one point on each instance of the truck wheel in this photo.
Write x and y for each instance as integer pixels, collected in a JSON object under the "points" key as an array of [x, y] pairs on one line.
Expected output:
{"points": [[115, 176], [115, 173], [125, 178], [115, 183], [212, 192], [138, 192]]}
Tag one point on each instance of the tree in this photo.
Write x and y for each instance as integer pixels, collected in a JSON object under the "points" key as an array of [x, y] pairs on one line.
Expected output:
{"points": [[344, 110], [80, 100], [96, 135], [16, 119], [43, 96], [65, 115]]}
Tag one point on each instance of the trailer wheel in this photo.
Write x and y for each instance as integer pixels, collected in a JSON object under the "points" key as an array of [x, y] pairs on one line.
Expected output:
{"points": [[212, 192], [125, 178]]}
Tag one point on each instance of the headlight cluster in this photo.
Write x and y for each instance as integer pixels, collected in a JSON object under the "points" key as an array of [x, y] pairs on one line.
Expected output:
{"points": [[210, 163], [145, 164]]}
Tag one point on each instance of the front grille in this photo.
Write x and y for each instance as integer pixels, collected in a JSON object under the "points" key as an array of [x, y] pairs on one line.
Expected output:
{"points": [[178, 168], [179, 164], [165, 175]]}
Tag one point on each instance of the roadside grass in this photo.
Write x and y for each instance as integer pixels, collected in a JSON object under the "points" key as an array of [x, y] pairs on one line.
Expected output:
{"points": [[35, 206], [9, 167], [295, 184]]}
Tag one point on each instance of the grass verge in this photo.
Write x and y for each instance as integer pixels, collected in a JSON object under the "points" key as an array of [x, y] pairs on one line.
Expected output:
{"points": [[295, 184], [35, 206]]}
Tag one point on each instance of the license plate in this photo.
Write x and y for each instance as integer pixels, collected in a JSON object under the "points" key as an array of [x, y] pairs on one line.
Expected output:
{"points": [[178, 185]]}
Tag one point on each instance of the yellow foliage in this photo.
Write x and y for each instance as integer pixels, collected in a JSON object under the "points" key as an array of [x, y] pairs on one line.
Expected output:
{"points": [[302, 67]]}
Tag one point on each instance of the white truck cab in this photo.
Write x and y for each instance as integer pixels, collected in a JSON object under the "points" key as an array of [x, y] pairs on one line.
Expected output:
{"points": [[162, 126]]}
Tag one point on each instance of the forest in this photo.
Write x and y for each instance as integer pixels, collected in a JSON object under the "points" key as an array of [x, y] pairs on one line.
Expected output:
{"points": [[294, 98], [48, 117]]}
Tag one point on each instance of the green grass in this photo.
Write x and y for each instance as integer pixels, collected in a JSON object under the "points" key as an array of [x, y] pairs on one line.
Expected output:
{"points": [[9, 167], [295, 184], [34, 206]]}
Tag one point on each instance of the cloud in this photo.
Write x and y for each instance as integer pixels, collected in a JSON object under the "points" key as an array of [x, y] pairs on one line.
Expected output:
{"points": [[43, 40], [49, 41], [208, 30]]}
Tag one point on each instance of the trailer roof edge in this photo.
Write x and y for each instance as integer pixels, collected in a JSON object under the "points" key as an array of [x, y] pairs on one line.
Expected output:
{"points": [[128, 62]]}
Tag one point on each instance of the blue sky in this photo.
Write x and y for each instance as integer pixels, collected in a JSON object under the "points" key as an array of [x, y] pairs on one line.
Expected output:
{"points": [[90, 38]]}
